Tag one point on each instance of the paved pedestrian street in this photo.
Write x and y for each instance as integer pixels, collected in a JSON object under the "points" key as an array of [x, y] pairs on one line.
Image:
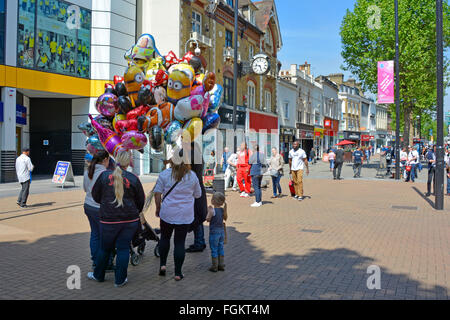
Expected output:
{"points": [[320, 248]]}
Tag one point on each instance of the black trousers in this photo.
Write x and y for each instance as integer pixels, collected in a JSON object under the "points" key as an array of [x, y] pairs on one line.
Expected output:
{"points": [[23, 195], [357, 169], [431, 178], [179, 241], [338, 168]]}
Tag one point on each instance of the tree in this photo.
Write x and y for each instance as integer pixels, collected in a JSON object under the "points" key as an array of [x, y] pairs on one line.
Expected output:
{"points": [[365, 41]]}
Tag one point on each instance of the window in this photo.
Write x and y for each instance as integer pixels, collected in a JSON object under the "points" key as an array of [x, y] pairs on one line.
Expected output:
{"points": [[196, 22], [286, 110], [230, 3], [2, 30], [252, 17], [268, 39], [251, 92], [251, 52], [228, 90], [228, 39], [268, 101], [61, 41]]}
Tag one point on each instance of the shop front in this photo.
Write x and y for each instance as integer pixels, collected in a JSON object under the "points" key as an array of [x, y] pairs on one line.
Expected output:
{"points": [[263, 130], [381, 140], [331, 133], [305, 134], [318, 141], [353, 136], [287, 137], [367, 140]]}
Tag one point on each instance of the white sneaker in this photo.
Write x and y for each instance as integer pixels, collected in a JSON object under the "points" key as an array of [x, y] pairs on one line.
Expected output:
{"points": [[242, 194], [256, 204], [90, 276], [245, 195], [234, 189], [296, 197], [122, 284]]}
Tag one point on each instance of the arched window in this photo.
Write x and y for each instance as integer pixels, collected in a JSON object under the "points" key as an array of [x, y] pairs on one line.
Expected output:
{"points": [[251, 93]]}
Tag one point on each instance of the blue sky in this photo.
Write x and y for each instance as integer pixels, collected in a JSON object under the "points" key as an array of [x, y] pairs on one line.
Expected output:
{"points": [[310, 31]]}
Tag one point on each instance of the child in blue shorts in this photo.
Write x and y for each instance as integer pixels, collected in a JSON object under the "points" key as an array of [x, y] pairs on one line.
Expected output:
{"points": [[216, 217]]}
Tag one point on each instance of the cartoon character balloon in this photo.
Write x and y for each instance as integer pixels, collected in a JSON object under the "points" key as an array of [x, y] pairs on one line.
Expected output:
{"points": [[134, 77]]}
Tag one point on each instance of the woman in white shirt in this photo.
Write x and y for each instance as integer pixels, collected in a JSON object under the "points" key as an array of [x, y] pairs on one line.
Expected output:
{"points": [[403, 160], [175, 192], [230, 172]]}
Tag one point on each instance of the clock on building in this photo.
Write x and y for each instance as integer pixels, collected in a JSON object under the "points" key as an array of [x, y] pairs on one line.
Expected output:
{"points": [[261, 64]]}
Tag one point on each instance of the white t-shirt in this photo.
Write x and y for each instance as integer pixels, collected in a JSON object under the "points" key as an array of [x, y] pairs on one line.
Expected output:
{"points": [[413, 154], [178, 207], [403, 155], [232, 159], [297, 159], [23, 168]]}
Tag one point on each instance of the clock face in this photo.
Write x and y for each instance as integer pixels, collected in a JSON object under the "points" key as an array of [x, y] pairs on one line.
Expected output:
{"points": [[260, 65]]}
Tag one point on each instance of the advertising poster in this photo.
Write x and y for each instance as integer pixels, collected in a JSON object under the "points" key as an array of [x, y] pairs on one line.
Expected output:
{"points": [[386, 82]]}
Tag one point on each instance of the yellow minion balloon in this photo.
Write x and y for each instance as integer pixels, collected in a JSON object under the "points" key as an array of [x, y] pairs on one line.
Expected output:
{"points": [[180, 83], [133, 78]]}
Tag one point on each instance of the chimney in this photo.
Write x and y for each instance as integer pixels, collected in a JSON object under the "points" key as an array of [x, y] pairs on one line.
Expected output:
{"points": [[351, 82], [293, 70], [306, 67], [338, 78]]}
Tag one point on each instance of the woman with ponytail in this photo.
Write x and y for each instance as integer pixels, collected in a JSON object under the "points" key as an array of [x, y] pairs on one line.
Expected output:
{"points": [[121, 197], [96, 166]]}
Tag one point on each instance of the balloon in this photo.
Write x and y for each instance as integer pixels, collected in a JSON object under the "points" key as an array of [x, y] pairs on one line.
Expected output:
{"points": [[134, 140], [143, 51], [205, 97], [145, 96], [92, 150], [154, 66], [133, 78], [192, 129], [126, 125], [104, 122], [190, 107], [125, 104], [121, 90], [160, 95], [136, 112], [86, 128], [117, 118], [180, 82], [109, 88], [173, 131], [160, 116], [109, 139], [107, 104], [95, 142], [216, 95], [211, 121], [156, 138]]}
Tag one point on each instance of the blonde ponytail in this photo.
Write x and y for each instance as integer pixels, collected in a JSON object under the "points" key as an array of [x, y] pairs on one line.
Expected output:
{"points": [[122, 160]]}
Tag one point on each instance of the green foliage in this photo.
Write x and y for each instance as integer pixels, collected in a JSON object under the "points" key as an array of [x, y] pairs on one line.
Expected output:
{"points": [[363, 45]]}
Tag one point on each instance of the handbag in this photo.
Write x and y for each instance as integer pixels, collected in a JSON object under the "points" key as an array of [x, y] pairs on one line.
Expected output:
{"points": [[274, 173], [408, 168]]}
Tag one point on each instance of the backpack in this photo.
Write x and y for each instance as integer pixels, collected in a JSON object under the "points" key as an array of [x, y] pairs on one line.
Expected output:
{"points": [[388, 156]]}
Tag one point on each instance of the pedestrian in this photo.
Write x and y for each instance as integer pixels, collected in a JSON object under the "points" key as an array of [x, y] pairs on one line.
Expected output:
{"points": [[297, 162], [388, 157], [413, 157], [403, 160], [226, 154], [331, 159], [243, 171], [230, 173], [97, 165], [257, 160], [121, 197], [24, 167], [357, 163], [338, 163], [383, 153], [195, 159], [211, 162], [312, 156], [216, 217], [431, 159], [367, 152], [276, 164], [175, 192]]}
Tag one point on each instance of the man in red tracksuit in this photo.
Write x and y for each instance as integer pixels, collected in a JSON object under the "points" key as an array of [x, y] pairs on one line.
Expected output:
{"points": [[243, 171]]}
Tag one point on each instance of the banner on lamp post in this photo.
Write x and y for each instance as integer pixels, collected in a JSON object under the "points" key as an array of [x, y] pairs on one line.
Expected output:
{"points": [[385, 82]]}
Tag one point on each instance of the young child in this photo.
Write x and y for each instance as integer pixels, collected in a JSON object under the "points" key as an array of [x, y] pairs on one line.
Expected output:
{"points": [[216, 217]]}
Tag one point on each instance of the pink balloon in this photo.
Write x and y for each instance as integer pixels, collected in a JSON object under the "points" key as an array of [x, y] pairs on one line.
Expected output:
{"points": [[134, 140]]}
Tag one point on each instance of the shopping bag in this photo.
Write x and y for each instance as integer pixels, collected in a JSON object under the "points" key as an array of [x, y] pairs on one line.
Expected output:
{"points": [[291, 188]]}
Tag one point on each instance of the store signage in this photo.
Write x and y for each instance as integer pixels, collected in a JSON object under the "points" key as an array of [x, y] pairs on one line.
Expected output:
{"points": [[327, 124], [386, 82], [382, 136], [63, 173], [317, 134], [1, 112], [21, 114], [226, 116], [287, 131]]}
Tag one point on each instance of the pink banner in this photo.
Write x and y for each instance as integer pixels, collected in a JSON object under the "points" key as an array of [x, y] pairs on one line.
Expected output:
{"points": [[386, 82]]}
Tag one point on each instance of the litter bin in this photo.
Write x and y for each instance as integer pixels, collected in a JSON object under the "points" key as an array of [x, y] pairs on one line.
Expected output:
{"points": [[219, 183]]}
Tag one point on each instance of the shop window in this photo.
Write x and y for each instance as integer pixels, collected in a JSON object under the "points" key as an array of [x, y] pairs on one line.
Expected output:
{"points": [[54, 36]]}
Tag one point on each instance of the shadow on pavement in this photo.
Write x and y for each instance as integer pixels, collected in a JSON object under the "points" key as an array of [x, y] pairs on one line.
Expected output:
{"points": [[431, 203], [39, 270], [79, 204]]}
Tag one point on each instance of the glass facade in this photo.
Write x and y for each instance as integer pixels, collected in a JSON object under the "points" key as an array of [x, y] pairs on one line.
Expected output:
{"points": [[54, 36], [2, 30]]}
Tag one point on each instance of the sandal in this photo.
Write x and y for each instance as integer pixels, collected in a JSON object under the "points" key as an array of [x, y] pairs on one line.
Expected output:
{"points": [[162, 272], [178, 278]]}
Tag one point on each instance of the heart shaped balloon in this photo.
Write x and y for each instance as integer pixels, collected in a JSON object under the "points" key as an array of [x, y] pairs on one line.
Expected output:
{"points": [[134, 140]]}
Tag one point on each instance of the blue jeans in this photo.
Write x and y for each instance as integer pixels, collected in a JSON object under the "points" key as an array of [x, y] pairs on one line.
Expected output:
{"points": [[93, 216], [411, 174], [256, 182], [448, 185], [199, 236], [276, 184], [216, 239], [115, 235], [224, 167], [331, 164]]}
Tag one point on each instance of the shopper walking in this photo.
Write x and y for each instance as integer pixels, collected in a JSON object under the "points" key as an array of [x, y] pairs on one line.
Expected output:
{"points": [[225, 156], [403, 161], [312, 156], [121, 199], [276, 164], [413, 159], [257, 161], [331, 159], [24, 167], [431, 160], [297, 162], [338, 164], [243, 171], [357, 162], [98, 164], [175, 192]]}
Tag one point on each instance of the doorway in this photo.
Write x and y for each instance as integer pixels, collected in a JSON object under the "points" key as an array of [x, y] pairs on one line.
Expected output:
{"points": [[18, 141]]}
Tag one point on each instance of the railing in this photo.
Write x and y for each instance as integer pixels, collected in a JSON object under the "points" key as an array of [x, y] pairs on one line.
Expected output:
{"points": [[201, 38]]}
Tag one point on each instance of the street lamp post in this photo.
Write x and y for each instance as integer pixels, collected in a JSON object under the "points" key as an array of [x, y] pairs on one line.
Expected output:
{"points": [[235, 74], [439, 192], [397, 97]]}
